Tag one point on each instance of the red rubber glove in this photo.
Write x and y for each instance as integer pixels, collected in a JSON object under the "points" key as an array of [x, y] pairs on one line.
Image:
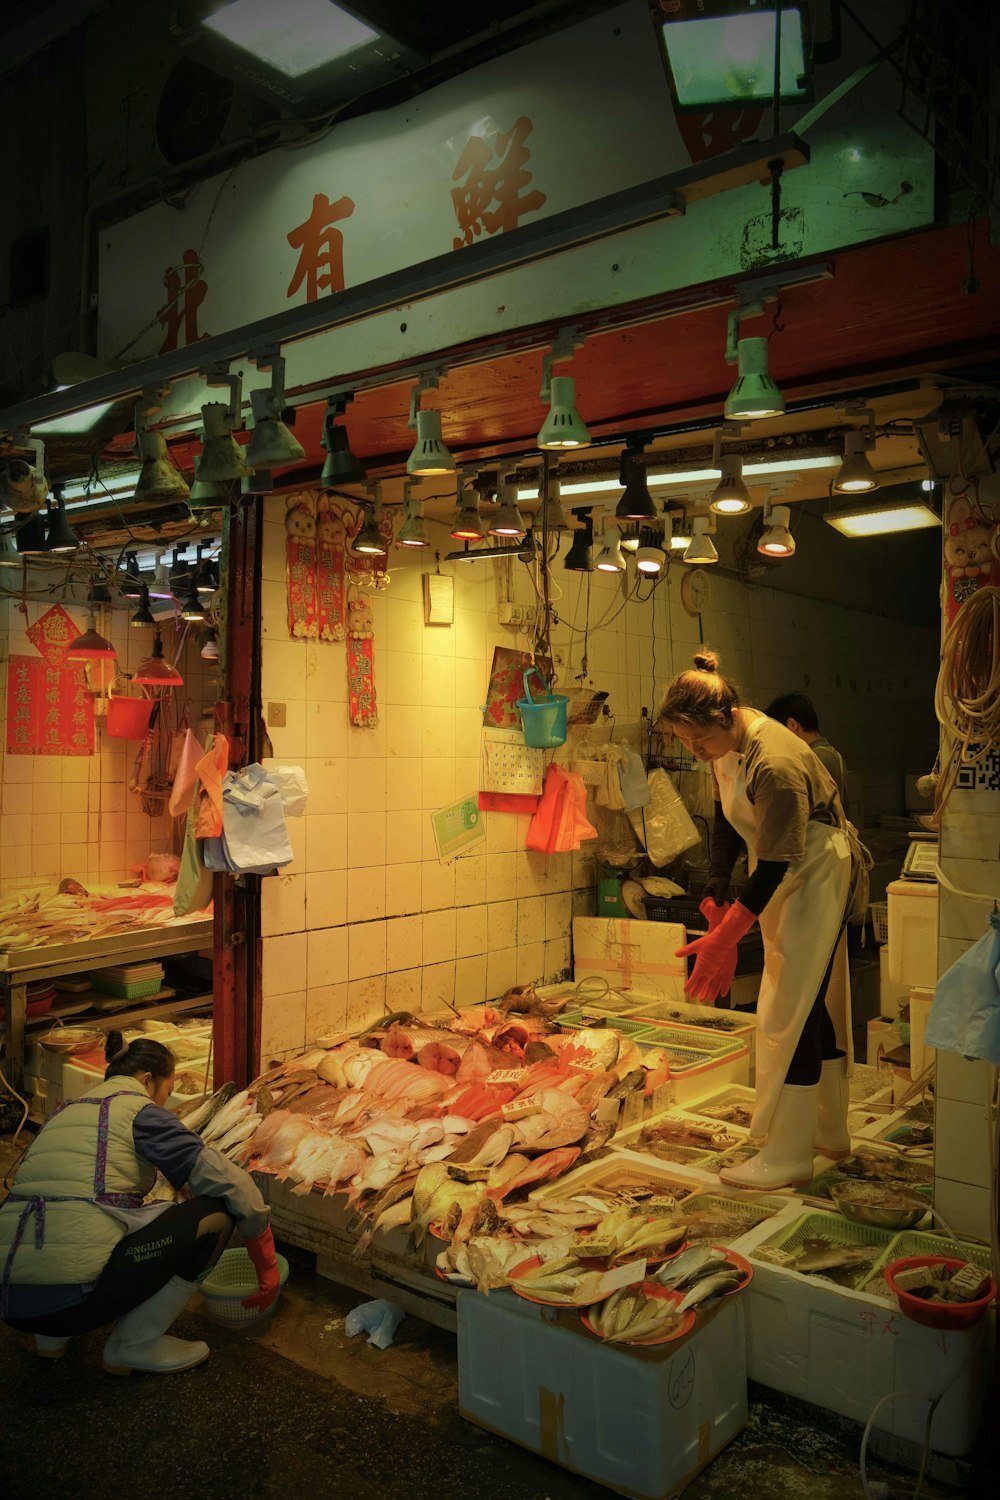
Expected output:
{"points": [[713, 911], [715, 955], [261, 1252]]}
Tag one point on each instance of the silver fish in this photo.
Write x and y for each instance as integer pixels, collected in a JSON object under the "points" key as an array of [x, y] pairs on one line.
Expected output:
{"points": [[694, 1262], [833, 1258], [197, 1118], [708, 1287]]}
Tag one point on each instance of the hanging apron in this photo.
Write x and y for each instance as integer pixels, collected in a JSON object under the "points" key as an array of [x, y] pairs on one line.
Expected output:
{"points": [[127, 1208], [801, 925]]}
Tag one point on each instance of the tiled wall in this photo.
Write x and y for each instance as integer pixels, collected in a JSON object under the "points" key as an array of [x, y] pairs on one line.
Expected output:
{"points": [[74, 815], [970, 862], [366, 918]]}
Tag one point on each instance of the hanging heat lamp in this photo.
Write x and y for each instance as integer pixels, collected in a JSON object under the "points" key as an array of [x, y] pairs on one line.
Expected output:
{"points": [[156, 671]]}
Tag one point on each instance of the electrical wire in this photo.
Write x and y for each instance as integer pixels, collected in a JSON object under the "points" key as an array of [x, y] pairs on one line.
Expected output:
{"points": [[967, 691], [22, 1102]]}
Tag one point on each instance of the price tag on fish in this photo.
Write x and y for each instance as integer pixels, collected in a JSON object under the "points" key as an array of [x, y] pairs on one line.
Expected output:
{"points": [[629, 1274], [508, 1075]]}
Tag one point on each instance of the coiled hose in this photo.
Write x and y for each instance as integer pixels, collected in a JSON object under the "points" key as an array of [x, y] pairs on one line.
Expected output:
{"points": [[967, 693]]}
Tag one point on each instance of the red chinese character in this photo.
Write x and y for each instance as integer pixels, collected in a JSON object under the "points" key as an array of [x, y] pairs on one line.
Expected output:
{"points": [[320, 247], [485, 185], [183, 302]]}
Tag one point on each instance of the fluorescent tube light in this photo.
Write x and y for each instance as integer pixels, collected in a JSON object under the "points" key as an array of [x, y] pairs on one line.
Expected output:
{"points": [[668, 477], [879, 520], [293, 36]]}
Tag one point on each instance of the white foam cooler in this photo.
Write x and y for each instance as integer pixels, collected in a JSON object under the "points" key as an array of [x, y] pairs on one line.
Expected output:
{"points": [[643, 1421], [913, 932]]}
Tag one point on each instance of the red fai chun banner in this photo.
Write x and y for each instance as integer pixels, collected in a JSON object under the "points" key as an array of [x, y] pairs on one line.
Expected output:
{"points": [[50, 710]]}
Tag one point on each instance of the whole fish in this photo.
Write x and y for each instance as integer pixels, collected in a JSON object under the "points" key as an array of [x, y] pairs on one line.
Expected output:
{"points": [[552, 1164], [199, 1117], [393, 1216], [377, 1173], [485, 1146], [695, 1261], [240, 1132], [707, 1287], [833, 1258], [227, 1116]]}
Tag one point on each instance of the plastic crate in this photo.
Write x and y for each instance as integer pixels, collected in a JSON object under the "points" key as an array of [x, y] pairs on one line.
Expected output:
{"points": [[917, 1242], [621, 1174], [711, 1042], [880, 920], [231, 1279], [746, 1211], [132, 989], [839, 1231], [673, 909]]}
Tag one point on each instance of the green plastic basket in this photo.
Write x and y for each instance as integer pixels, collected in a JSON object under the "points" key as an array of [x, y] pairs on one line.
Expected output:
{"points": [[132, 989], [228, 1282], [917, 1242], [839, 1231], [690, 1040], [746, 1215]]}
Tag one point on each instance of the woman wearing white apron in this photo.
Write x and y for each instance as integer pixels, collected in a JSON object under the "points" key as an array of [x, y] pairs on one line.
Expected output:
{"points": [[774, 795]]}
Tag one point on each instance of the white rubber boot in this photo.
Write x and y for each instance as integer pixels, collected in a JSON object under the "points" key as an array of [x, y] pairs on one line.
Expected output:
{"points": [[138, 1340], [832, 1136], [786, 1160], [48, 1347]]}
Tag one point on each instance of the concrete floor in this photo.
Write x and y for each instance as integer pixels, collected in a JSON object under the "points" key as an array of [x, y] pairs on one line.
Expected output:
{"points": [[300, 1408]]}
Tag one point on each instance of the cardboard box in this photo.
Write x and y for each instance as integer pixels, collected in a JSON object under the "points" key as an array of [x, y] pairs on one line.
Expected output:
{"points": [[633, 956]]}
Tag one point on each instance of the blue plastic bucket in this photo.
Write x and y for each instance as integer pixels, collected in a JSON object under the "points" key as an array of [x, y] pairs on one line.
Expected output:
{"points": [[542, 719]]}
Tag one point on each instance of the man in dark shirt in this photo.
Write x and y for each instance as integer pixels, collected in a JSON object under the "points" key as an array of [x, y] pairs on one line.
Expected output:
{"points": [[797, 713]]}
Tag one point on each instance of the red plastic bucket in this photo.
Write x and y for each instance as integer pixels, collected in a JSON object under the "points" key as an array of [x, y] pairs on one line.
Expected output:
{"points": [[128, 718]]}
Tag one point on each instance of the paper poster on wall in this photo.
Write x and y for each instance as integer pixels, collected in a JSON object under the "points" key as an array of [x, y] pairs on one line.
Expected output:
{"points": [[50, 710], [458, 828], [507, 685]]}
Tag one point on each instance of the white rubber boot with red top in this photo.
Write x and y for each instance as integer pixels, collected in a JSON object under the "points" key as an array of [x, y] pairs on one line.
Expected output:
{"points": [[139, 1339], [832, 1136], [787, 1159], [49, 1347]]}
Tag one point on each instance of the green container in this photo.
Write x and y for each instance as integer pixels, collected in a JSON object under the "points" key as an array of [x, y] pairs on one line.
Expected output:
{"points": [[837, 1230], [918, 1242]]}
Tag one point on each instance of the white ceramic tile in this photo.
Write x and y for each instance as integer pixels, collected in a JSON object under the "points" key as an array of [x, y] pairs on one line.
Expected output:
{"points": [[966, 835], [470, 931], [366, 782], [284, 965], [327, 952], [403, 990], [326, 726], [366, 894], [45, 828], [501, 832], [282, 904], [404, 622], [530, 963], [403, 943], [282, 1024], [531, 920], [960, 1079], [405, 678], [405, 833], [326, 1010], [501, 972], [403, 890], [366, 839], [437, 986], [501, 925], [366, 949], [439, 936], [438, 786], [437, 886], [327, 779], [558, 915], [283, 670], [439, 684], [404, 727], [366, 744], [962, 1143], [471, 683], [405, 783], [74, 797], [470, 879], [46, 861], [468, 734], [963, 917], [557, 960], [325, 672], [326, 899], [326, 841], [365, 1001], [501, 876], [965, 1209], [470, 980]]}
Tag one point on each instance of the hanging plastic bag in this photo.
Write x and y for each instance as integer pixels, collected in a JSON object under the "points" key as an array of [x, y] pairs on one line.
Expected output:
{"points": [[560, 823], [965, 1014], [665, 828], [211, 769], [293, 787], [254, 831], [185, 776], [193, 891]]}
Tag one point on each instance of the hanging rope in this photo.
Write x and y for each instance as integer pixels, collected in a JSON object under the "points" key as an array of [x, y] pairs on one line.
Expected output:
{"points": [[967, 694]]}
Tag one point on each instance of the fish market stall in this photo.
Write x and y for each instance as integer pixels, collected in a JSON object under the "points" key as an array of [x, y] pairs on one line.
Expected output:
{"points": [[46, 936]]}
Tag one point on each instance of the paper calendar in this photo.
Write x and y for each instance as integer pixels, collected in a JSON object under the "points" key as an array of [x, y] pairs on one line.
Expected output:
{"points": [[508, 765]]}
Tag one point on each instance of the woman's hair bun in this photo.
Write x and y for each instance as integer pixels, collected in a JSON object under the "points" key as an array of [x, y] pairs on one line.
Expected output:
{"points": [[706, 661], [114, 1046]]}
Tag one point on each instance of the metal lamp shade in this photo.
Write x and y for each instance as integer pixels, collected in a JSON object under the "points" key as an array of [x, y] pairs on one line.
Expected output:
{"points": [[754, 393], [430, 453]]}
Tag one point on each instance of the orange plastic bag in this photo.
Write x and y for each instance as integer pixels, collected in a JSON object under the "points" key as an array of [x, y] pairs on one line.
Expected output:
{"points": [[560, 823], [211, 769]]}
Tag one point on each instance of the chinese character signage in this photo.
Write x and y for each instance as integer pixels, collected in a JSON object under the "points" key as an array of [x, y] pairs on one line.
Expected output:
{"points": [[50, 710]]}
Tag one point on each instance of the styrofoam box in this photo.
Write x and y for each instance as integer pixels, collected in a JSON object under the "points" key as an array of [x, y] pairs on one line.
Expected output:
{"points": [[623, 1170], [845, 1350], [45, 1063], [634, 956], [913, 932], [642, 1421]]}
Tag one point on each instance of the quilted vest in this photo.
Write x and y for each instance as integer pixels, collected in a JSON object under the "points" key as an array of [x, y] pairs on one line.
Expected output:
{"points": [[53, 1231]]}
